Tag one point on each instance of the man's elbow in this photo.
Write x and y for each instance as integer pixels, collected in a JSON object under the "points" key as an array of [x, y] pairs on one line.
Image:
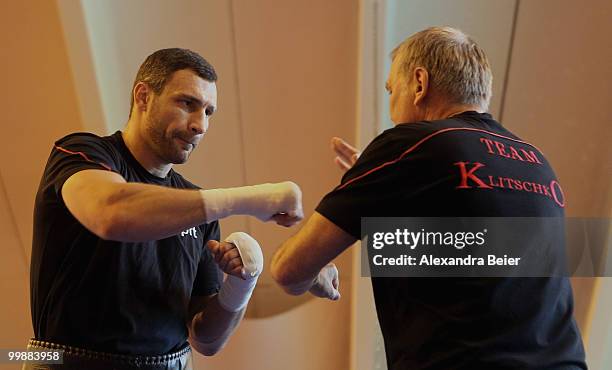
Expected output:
{"points": [[206, 349], [285, 279], [279, 274], [208, 352], [108, 225]]}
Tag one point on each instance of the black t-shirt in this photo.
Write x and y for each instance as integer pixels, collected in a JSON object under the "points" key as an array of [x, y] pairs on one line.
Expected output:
{"points": [[468, 165], [111, 296]]}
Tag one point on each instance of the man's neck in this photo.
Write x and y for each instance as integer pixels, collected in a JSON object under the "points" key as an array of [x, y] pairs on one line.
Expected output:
{"points": [[143, 153], [448, 111]]}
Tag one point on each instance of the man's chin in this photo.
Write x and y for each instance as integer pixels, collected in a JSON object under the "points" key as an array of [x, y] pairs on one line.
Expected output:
{"points": [[181, 158], [178, 155]]}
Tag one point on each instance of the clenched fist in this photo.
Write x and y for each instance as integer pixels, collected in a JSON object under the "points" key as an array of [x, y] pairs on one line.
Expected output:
{"points": [[327, 283]]}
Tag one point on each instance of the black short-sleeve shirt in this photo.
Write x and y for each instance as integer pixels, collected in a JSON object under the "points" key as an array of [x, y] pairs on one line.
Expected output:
{"points": [[468, 165], [112, 296]]}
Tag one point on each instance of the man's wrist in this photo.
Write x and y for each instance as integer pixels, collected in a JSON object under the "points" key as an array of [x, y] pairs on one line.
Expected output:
{"points": [[314, 283]]}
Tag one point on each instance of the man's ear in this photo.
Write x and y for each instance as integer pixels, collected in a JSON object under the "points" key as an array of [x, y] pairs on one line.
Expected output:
{"points": [[142, 94], [421, 85]]}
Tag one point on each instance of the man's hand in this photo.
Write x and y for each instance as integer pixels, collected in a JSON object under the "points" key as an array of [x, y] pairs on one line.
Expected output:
{"points": [[346, 155], [240, 257], [327, 283], [291, 198], [228, 258], [280, 202]]}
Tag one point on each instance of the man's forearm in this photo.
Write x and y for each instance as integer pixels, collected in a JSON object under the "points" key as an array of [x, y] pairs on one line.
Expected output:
{"points": [[302, 263], [299, 288], [211, 328], [298, 281], [141, 212]]}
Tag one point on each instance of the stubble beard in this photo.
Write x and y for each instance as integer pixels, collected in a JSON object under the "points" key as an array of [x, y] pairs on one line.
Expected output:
{"points": [[164, 147]]}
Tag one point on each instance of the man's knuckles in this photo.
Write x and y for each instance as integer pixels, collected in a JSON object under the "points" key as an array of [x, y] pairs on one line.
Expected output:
{"points": [[229, 256]]}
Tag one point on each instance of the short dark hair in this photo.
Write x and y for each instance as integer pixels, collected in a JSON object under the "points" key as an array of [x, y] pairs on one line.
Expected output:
{"points": [[158, 68]]}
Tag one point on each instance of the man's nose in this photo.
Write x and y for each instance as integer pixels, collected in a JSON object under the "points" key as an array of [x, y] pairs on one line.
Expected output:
{"points": [[199, 123]]}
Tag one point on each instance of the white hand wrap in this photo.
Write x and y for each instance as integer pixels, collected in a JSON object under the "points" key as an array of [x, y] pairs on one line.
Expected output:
{"points": [[236, 292], [262, 201]]}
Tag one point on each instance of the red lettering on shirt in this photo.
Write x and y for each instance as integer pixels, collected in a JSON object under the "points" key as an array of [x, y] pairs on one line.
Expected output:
{"points": [[531, 156], [465, 174], [515, 155], [508, 151], [552, 191], [559, 198], [489, 144], [501, 149]]}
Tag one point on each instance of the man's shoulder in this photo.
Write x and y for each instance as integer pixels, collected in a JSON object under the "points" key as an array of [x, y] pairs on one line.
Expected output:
{"points": [[450, 133], [79, 136], [467, 123], [400, 137], [88, 147], [415, 131], [182, 182], [85, 139]]}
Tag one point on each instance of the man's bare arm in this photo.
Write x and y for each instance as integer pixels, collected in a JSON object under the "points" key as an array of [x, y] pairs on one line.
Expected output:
{"points": [[213, 319], [114, 209], [302, 262], [210, 325]]}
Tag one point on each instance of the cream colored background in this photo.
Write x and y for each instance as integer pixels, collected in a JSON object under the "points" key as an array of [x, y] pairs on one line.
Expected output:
{"points": [[293, 74]]}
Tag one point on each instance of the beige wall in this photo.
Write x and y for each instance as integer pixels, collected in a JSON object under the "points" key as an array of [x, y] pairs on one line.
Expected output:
{"points": [[287, 84], [38, 104], [558, 96]]}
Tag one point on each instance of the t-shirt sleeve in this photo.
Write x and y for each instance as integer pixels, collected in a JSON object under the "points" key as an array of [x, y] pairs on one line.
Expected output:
{"points": [[372, 182], [209, 276], [75, 153]]}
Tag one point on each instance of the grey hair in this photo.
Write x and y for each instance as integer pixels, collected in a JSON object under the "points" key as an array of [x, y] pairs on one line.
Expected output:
{"points": [[458, 68]]}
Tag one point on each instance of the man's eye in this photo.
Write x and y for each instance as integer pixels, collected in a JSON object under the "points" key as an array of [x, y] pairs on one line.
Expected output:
{"points": [[209, 112], [185, 103]]}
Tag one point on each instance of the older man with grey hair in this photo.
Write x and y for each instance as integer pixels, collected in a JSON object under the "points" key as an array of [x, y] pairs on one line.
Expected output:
{"points": [[445, 157]]}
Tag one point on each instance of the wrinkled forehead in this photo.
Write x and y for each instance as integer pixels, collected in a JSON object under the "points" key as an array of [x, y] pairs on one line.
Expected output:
{"points": [[185, 81]]}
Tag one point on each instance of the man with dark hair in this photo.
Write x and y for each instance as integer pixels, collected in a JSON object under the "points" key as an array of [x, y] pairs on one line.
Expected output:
{"points": [[438, 161], [126, 257], [159, 66]]}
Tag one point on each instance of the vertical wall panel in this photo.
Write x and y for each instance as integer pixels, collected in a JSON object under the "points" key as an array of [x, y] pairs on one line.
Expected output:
{"points": [[79, 51], [600, 341], [38, 102], [38, 105], [558, 93], [297, 65], [15, 309], [558, 97]]}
